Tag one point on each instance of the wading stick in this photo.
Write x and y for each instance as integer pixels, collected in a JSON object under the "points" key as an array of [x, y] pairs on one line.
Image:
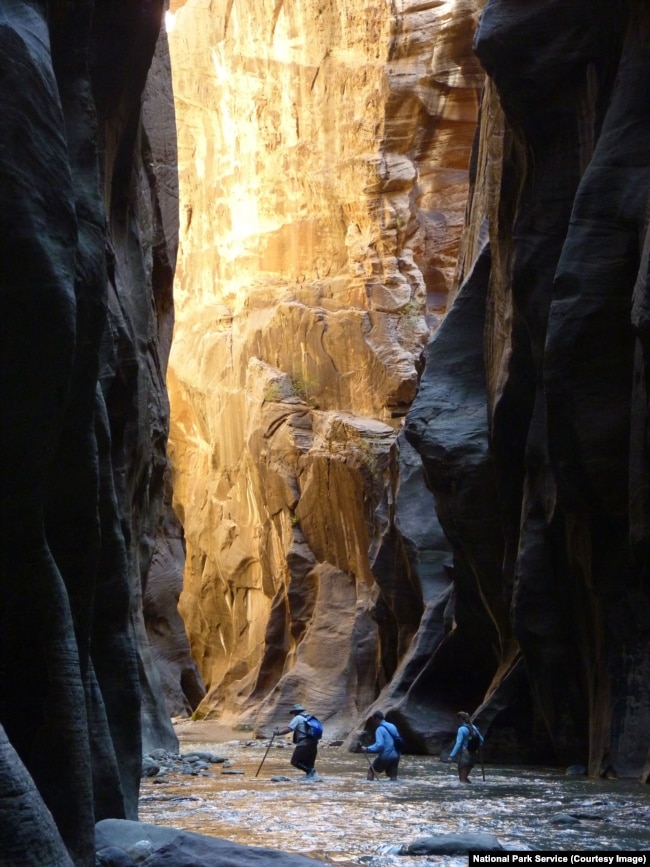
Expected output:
{"points": [[368, 760], [265, 754]]}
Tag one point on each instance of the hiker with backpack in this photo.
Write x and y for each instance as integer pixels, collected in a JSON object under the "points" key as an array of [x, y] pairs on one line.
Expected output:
{"points": [[307, 731], [387, 745], [468, 743]]}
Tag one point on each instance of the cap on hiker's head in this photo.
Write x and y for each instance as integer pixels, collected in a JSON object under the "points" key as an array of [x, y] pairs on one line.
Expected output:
{"points": [[297, 708]]}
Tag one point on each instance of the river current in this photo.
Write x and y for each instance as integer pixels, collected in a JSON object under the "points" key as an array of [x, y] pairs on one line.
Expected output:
{"points": [[345, 819]]}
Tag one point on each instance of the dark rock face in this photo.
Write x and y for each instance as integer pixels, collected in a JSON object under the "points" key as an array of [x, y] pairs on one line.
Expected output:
{"points": [[87, 249], [532, 416], [170, 847]]}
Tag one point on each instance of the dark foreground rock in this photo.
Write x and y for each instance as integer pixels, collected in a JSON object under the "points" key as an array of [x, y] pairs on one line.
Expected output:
{"points": [[452, 844], [176, 848]]}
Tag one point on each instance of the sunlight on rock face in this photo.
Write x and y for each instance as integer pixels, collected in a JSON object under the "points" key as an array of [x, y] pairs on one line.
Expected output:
{"points": [[314, 185]]}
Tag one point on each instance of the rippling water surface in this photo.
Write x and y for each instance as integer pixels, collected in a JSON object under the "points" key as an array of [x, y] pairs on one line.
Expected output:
{"points": [[345, 819]]}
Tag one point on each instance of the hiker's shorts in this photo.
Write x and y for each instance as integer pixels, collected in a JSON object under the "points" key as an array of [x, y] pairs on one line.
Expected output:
{"points": [[388, 765], [466, 759], [304, 755]]}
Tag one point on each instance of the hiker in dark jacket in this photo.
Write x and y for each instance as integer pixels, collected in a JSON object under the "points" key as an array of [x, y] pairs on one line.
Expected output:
{"points": [[466, 757], [304, 755], [387, 755]]}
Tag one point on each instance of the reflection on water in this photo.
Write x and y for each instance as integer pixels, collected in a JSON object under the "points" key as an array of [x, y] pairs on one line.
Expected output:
{"points": [[345, 819]]}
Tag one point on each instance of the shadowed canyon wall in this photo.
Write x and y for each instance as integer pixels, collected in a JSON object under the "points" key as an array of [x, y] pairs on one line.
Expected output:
{"points": [[88, 237], [541, 471], [323, 154]]}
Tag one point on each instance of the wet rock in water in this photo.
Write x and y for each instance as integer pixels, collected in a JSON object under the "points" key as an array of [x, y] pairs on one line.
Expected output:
{"points": [[564, 819], [112, 856], [149, 767], [576, 771], [162, 756], [158, 763], [452, 844], [280, 779], [231, 771], [175, 848], [140, 851], [201, 756]]}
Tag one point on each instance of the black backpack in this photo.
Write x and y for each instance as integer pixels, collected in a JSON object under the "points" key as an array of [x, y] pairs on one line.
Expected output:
{"points": [[398, 740], [473, 741]]}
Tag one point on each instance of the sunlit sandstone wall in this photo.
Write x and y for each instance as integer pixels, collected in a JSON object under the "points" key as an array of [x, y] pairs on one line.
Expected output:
{"points": [[323, 154]]}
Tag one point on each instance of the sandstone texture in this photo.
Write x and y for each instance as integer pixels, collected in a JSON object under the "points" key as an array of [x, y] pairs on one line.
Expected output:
{"points": [[88, 235], [327, 159], [323, 170], [532, 415]]}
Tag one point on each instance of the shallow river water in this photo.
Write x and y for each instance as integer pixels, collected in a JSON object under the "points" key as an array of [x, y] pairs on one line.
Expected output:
{"points": [[345, 819]]}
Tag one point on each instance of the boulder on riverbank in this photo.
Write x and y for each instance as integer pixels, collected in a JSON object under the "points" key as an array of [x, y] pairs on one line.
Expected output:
{"points": [[172, 847]]}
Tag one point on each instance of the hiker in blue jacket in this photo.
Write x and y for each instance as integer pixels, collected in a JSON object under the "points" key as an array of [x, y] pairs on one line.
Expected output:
{"points": [[465, 740], [304, 754], [387, 760]]}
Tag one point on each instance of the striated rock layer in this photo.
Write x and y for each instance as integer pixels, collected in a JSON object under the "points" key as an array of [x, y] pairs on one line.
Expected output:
{"points": [[88, 234], [532, 416], [323, 154]]}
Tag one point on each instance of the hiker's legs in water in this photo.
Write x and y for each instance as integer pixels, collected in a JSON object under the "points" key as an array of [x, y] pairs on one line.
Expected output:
{"points": [[391, 769], [465, 765], [304, 757], [380, 766]]}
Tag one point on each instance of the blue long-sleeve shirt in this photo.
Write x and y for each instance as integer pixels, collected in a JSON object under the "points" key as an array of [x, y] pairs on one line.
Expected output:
{"points": [[384, 744], [461, 739]]}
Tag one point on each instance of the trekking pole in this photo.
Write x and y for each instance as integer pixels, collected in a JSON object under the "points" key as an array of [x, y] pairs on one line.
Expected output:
{"points": [[480, 755], [265, 754], [369, 762]]}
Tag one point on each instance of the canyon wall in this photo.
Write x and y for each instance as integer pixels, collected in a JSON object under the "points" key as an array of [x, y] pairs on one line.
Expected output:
{"points": [[323, 170], [543, 486], [88, 236], [329, 156]]}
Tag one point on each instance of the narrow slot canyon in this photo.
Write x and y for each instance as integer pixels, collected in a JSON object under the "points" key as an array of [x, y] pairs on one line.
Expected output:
{"points": [[325, 365]]}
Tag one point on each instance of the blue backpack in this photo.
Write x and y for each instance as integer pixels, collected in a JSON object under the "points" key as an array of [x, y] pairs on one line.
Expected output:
{"points": [[314, 726]]}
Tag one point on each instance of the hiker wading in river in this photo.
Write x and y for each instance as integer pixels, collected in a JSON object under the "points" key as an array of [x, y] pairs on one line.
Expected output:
{"points": [[468, 743], [304, 754], [387, 754]]}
